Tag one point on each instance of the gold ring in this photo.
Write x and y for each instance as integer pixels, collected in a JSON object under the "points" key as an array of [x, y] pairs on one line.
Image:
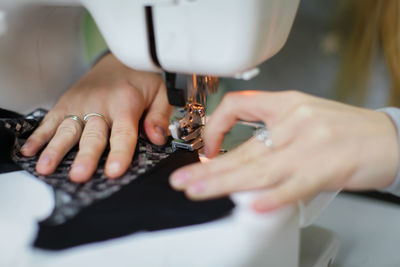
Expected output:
{"points": [[87, 116]]}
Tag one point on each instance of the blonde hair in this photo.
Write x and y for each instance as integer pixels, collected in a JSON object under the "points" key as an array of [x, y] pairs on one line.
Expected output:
{"points": [[369, 26]]}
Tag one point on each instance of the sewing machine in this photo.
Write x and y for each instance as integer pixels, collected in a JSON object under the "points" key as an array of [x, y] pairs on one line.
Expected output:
{"points": [[191, 37], [203, 39]]}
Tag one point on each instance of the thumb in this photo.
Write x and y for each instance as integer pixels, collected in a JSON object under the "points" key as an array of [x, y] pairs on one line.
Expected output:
{"points": [[157, 118]]}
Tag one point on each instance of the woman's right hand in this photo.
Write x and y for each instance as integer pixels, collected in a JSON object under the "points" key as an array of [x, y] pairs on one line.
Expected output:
{"points": [[122, 95], [317, 144]]}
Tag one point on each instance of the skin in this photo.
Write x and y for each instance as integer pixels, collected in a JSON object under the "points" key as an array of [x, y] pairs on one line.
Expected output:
{"points": [[318, 145], [122, 95]]}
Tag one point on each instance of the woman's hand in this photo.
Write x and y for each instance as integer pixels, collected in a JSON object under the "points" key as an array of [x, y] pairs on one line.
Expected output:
{"points": [[317, 145], [121, 95]]}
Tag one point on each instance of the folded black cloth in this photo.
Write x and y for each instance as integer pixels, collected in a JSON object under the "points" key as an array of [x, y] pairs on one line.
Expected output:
{"points": [[102, 208]]}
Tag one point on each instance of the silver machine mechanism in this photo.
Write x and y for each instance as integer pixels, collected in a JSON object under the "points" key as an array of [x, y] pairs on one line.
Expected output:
{"points": [[189, 119]]}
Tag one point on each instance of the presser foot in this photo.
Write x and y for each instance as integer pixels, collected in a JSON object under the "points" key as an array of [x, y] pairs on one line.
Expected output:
{"points": [[187, 129], [193, 145]]}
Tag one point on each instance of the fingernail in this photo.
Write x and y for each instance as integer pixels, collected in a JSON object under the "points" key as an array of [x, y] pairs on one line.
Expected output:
{"points": [[26, 146], [113, 167], [180, 177], [44, 160], [197, 188], [78, 169], [262, 207], [161, 131]]}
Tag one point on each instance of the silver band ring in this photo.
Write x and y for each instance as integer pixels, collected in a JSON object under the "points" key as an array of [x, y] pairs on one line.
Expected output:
{"points": [[77, 119], [263, 135], [87, 116]]}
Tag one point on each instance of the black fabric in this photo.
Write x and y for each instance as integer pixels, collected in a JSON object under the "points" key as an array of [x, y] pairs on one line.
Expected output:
{"points": [[7, 140], [71, 197], [8, 114], [7, 165], [147, 203], [102, 208], [10, 125]]}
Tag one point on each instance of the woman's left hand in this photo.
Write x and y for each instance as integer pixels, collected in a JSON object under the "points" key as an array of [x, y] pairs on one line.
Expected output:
{"points": [[122, 96], [317, 145]]}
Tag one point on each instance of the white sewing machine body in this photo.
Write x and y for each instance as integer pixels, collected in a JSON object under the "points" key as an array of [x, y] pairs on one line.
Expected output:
{"points": [[219, 38]]}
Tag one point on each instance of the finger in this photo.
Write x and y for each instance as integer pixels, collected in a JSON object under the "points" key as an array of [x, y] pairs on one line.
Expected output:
{"points": [[291, 190], [157, 118], [250, 151], [41, 135], [263, 173], [251, 166], [268, 107], [91, 146], [123, 140], [67, 135]]}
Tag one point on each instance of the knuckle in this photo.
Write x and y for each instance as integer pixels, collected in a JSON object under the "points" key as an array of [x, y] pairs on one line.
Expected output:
{"points": [[304, 112], [68, 129], [230, 98], [126, 88], [45, 129], [97, 136], [51, 118], [123, 131], [321, 132]]}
